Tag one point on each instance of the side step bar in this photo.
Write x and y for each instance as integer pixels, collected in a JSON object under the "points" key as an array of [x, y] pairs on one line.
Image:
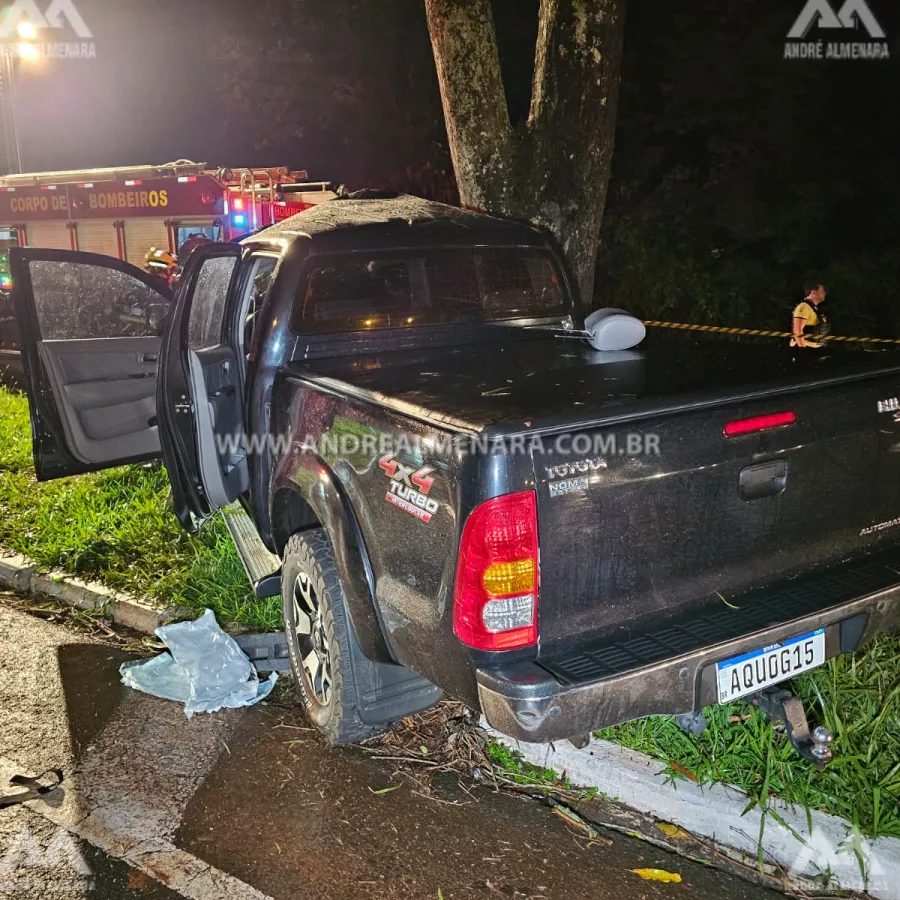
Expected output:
{"points": [[263, 567]]}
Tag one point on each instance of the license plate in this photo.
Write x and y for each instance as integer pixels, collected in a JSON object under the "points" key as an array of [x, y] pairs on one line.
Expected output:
{"points": [[753, 671]]}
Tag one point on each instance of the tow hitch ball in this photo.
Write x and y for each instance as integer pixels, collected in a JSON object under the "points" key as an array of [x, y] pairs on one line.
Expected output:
{"points": [[781, 706]]}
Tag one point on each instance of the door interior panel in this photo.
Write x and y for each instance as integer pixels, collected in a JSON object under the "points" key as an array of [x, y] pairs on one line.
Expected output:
{"points": [[216, 391], [108, 391]]}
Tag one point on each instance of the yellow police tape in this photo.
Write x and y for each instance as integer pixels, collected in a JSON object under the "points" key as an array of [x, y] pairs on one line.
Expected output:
{"points": [[755, 332]]}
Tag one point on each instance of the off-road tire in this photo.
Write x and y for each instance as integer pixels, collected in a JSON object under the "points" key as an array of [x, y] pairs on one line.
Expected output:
{"points": [[310, 554]]}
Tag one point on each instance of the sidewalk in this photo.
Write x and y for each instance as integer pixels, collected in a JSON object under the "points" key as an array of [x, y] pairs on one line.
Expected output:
{"points": [[252, 804]]}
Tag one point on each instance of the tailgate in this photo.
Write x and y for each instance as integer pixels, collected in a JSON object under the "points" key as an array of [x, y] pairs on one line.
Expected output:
{"points": [[660, 516]]}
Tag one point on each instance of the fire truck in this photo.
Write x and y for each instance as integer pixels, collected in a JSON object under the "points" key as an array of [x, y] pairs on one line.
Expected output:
{"points": [[127, 211], [124, 212]]}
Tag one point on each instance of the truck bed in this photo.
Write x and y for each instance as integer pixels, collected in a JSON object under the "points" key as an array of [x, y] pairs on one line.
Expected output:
{"points": [[537, 380]]}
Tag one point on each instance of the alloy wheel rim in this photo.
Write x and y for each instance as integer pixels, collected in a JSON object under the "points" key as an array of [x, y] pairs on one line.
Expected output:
{"points": [[309, 627]]}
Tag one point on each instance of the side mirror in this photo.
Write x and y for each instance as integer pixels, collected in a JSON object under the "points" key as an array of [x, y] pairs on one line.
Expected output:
{"points": [[614, 329]]}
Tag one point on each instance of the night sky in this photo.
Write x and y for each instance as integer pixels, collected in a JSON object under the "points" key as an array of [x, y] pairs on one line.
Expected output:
{"points": [[146, 98], [737, 173]]}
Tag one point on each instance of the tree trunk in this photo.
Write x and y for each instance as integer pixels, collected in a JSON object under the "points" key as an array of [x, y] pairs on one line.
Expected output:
{"points": [[554, 170]]}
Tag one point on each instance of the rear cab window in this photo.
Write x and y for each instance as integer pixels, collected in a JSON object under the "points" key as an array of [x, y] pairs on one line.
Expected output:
{"points": [[366, 291]]}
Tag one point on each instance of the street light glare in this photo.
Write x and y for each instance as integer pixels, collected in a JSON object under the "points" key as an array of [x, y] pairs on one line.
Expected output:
{"points": [[27, 31], [28, 51]]}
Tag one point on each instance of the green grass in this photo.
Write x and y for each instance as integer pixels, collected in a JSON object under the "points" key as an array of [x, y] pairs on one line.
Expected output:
{"points": [[856, 696], [115, 527], [512, 765]]}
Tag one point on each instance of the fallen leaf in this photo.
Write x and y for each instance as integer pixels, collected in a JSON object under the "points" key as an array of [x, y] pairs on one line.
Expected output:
{"points": [[683, 771], [739, 718], [729, 605], [386, 790], [673, 831], [658, 875]]}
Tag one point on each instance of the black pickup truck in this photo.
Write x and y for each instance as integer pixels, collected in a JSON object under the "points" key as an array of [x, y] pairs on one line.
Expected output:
{"points": [[454, 492]]}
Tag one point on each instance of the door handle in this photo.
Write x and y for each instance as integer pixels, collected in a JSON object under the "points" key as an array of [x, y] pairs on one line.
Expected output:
{"points": [[763, 480], [149, 358], [227, 391]]}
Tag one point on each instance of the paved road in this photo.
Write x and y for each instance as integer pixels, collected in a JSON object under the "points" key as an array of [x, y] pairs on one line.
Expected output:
{"points": [[251, 804]]}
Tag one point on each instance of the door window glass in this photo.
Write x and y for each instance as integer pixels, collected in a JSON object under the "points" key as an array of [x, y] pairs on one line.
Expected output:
{"points": [[207, 313], [76, 300], [259, 286]]}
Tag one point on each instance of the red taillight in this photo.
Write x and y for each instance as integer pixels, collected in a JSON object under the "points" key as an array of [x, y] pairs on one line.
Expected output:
{"points": [[496, 597], [759, 423]]}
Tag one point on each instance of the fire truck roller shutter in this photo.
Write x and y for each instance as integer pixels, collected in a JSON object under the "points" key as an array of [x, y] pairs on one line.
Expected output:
{"points": [[52, 235], [98, 236], [141, 235]]}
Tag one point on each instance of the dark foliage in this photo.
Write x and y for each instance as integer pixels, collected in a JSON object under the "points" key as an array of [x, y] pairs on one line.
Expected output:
{"points": [[739, 174]]}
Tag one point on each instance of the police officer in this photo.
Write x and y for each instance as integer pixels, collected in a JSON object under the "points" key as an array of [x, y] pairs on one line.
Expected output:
{"points": [[807, 315]]}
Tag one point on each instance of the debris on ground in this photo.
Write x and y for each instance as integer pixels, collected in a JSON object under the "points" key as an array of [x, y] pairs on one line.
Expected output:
{"points": [[658, 875], [35, 788], [674, 831], [448, 740], [572, 818], [204, 669], [93, 623]]}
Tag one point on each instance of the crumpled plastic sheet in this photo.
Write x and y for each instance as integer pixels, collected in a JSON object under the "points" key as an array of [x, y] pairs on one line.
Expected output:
{"points": [[204, 669]]}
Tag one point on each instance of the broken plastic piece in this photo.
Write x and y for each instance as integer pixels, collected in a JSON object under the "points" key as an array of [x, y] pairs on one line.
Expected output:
{"points": [[35, 788], [205, 669], [691, 723]]}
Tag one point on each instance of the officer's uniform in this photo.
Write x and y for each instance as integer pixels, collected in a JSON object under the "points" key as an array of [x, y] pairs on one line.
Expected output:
{"points": [[816, 324]]}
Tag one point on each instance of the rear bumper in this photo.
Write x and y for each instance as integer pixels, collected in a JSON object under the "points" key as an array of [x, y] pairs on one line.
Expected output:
{"points": [[527, 702]]}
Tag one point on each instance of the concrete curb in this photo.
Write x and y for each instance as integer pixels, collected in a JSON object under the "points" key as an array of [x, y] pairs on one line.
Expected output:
{"points": [[717, 812], [267, 652], [19, 573]]}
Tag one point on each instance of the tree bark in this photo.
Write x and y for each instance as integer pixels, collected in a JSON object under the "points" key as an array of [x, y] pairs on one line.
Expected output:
{"points": [[553, 171]]}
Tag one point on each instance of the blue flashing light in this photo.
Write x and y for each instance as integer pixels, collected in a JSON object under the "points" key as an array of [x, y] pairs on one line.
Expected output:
{"points": [[239, 221]]}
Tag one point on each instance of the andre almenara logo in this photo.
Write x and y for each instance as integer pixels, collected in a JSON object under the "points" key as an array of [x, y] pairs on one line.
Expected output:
{"points": [[851, 32]]}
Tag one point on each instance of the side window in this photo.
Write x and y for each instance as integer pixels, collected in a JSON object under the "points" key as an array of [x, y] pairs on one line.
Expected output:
{"points": [[208, 307], [75, 300], [264, 268]]}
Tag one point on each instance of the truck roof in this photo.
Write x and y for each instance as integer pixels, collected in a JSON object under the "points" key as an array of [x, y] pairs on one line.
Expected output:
{"points": [[397, 222]]}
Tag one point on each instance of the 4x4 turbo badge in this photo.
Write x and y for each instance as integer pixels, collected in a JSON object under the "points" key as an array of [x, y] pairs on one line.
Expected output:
{"points": [[409, 488]]}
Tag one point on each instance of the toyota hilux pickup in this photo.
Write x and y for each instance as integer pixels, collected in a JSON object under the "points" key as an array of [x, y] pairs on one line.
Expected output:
{"points": [[397, 407]]}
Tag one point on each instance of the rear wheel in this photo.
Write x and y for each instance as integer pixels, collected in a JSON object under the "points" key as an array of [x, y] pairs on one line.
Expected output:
{"points": [[319, 639]]}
